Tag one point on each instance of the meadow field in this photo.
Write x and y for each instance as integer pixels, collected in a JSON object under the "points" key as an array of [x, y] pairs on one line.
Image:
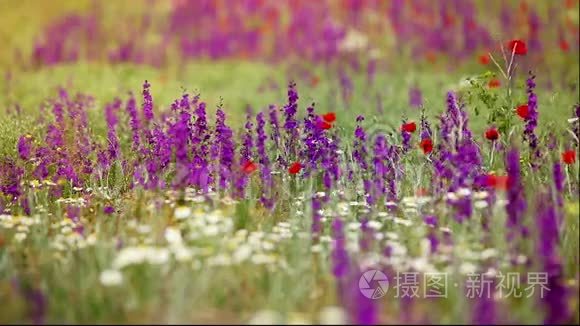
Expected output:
{"points": [[289, 162]]}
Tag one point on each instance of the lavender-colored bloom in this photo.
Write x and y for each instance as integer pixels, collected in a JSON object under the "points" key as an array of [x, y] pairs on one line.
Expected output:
{"points": [[112, 120], [365, 310], [430, 220], [346, 86], [316, 217], [245, 156], [547, 227], [532, 120], [108, 210], [147, 102], [360, 151], [433, 241], [247, 142], [36, 301], [458, 157], [406, 136], [463, 208], [73, 212], [224, 136], [10, 176], [263, 159], [134, 121], [199, 139], [340, 258], [558, 182], [556, 300], [25, 147], [425, 126], [275, 126], [516, 205], [484, 307], [415, 97], [291, 124], [379, 168]]}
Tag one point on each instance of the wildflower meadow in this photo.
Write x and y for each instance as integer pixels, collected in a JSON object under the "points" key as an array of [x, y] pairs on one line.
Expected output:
{"points": [[289, 162]]}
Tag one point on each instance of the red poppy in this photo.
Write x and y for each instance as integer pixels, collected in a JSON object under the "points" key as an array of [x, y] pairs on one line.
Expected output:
{"points": [[323, 125], [426, 145], [497, 181], [314, 81], [249, 167], [329, 117], [494, 83], [564, 45], [295, 168], [471, 25], [448, 20], [484, 59], [569, 156], [422, 192], [431, 57], [491, 134], [519, 47], [409, 127], [523, 111], [272, 15]]}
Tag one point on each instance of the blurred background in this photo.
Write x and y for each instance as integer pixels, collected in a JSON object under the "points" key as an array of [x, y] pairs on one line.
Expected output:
{"points": [[165, 32]]}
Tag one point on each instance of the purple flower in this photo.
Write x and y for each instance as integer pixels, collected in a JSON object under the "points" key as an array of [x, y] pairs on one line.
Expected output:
{"points": [[112, 120], [340, 258], [558, 182], [199, 139], [316, 223], [433, 241], [406, 136], [430, 220], [275, 127], [224, 137], [364, 309], [25, 147], [516, 205], [425, 126], [360, 151], [484, 307], [134, 121], [532, 120], [147, 102], [291, 124], [246, 156], [10, 175], [379, 167], [266, 198], [108, 210], [415, 97], [367, 235], [346, 86], [556, 299]]}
